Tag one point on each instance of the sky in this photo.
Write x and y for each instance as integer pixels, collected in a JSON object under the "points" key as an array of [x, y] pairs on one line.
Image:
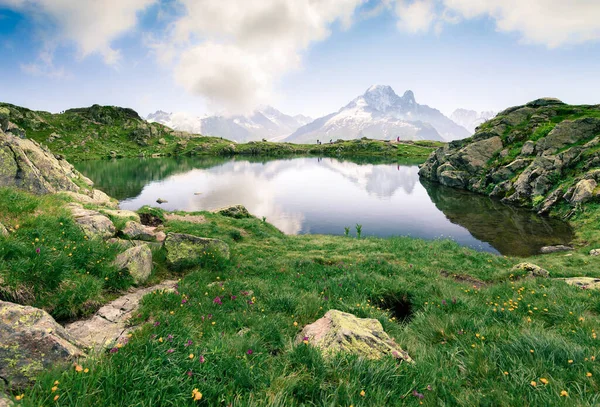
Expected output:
{"points": [[302, 56]]}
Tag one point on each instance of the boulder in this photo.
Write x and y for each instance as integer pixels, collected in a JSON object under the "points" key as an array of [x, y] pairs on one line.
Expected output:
{"points": [[568, 132], [555, 249], [162, 141], [595, 252], [532, 269], [121, 214], [184, 251], [137, 231], [26, 165], [93, 223], [235, 211], [584, 191], [137, 261], [342, 332], [30, 342], [586, 283], [528, 148], [5, 401], [3, 231]]}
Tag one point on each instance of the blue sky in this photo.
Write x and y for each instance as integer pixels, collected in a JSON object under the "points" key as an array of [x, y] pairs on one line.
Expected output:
{"points": [[202, 56]]}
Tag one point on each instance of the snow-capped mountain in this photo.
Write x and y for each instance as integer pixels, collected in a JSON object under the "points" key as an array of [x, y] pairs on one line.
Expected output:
{"points": [[381, 114], [264, 123], [470, 119]]}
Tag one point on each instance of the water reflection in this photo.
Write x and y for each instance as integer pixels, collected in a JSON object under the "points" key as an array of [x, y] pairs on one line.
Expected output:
{"points": [[324, 195]]}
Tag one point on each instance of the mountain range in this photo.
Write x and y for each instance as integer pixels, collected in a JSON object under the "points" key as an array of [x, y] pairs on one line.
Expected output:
{"points": [[379, 113], [470, 119], [264, 123]]}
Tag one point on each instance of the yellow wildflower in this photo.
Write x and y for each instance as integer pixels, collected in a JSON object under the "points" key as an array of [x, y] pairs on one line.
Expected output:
{"points": [[564, 393], [533, 384], [543, 380], [362, 393]]}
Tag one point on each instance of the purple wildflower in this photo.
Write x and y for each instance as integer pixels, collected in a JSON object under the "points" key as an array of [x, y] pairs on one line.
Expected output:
{"points": [[249, 351], [183, 301], [218, 301], [114, 350], [169, 337], [418, 395], [201, 359], [170, 350], [444, 303], [157, 323], [190, 373], [233, 297], [37, 250], [188, 343]]}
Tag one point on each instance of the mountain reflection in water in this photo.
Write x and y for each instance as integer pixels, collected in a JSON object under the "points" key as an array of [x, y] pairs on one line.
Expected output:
{"points": [[324, 195]]}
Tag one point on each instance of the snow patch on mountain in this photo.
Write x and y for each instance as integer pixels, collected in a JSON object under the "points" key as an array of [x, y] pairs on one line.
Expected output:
{"points": [[470, 119]]}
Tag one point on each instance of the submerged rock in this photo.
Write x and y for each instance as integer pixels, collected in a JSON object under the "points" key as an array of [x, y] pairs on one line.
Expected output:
{"points": [[532, 269], [342, 332], [235, 211], [30, 342], [584, 282], [185, 251], [137, 261]]}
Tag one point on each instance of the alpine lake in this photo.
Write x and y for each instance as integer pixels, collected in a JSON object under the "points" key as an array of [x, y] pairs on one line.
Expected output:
{"points": [[312, 195]]}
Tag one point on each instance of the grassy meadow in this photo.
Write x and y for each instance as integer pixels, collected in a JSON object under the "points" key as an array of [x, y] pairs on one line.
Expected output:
{"points": [[480, 335]]}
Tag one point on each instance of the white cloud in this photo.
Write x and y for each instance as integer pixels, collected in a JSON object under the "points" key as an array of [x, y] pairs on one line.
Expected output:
{"points": [[415, 17], [233, 52], [551, 23], [91, 24]]}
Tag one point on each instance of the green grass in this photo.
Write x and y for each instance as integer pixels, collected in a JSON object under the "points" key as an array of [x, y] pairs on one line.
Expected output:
{"points": [[471, 346]]}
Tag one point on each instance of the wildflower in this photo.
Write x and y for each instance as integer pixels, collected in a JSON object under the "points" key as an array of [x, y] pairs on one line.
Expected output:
{"points": [[160, 339], [570, 361], [157, 323], [170, 350], [37, 250], [114, 350], [305, 340], [362, 393], [444, 303], [249, 351], [533, 384], [170, 338], [188, 343], [54, 389], [429, 387], [196, 395], [543, 380], [86, 370], [56, 397], [183, 301], [563, 393], [191, 356], [295, 323], [190, 373], [201, 359], [19, 397], [418, 395], [78, 368], [588, 374], [505, 373]]}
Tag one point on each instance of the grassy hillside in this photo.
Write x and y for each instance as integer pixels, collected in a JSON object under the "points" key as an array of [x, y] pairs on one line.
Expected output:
{"points": [[483, 337], [106, 131]]}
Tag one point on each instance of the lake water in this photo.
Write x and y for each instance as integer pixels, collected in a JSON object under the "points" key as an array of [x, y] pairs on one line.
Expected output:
{"points": [[324, 195]]}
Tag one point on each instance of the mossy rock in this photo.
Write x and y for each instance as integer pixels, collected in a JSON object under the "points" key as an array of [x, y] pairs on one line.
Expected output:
{"points": [[187, 251]]}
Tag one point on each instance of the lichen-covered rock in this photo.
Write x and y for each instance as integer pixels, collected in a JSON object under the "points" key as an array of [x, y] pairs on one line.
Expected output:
{"points": [[137, 231], [584, 191], [30, 342], [342, 332], [26, 165], [94, 197], [532, 269], [185, 251], [137, 261], [92, 223], [595, 252], [586, 283], [555, 249], [235, 211]]}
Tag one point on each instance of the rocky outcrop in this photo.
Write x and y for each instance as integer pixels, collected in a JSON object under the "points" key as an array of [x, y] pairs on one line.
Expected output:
{"points": [[137, 231], [110, 324], [94, 197], [533, 270], [26, 165], [185, 251], [342, 332], [30, 342], [137, 261], [536, 156], [92, 223], [235, 211]]}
